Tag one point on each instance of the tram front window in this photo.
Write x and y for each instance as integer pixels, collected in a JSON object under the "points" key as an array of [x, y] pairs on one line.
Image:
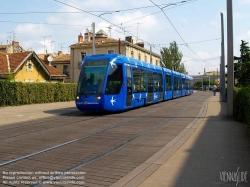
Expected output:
{"points": [[92, 76], [115, 80]]}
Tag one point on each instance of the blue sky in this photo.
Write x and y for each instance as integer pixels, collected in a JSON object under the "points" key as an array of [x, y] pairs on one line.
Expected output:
{"points": [[195, 22]]}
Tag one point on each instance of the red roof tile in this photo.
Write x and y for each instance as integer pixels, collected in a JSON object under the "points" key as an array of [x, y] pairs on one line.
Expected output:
{"points": [[61, 58], [98, 41], [52, 70], [3, 63], [17, 58]]}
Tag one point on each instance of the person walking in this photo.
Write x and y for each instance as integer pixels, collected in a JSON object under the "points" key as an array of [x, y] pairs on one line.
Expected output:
{"points": [[214, 89]]}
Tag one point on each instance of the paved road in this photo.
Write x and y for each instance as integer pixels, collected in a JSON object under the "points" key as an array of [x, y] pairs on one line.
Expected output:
{"points": [[132, 148]]}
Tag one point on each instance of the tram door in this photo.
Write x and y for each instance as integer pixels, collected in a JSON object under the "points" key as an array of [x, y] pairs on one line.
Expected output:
{"points": [[150, 86], [129, 87]]}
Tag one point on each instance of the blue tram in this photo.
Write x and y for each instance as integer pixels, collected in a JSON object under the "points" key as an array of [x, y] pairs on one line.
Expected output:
{"points": [[113, 82]]}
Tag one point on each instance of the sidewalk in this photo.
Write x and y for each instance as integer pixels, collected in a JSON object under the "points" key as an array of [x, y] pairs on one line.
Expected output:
{"points": [[213, 151]]}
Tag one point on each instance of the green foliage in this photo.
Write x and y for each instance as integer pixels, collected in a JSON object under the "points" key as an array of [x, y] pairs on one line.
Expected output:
{"points": [[242, 67], [242, 106], [11, 77], [172, 57], [17, 93]]}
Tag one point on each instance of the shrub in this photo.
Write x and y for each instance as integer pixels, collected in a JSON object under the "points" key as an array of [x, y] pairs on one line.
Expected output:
{"points": [[17, 93], [242, 106]]}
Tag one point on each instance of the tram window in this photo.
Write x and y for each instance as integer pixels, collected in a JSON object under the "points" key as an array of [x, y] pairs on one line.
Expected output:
{"points": [[183, 83], [160, 83], [143, 81], [176, 84], [115, 80], [150, 82], [136, 76], [179, 84], [156, 82], [168, 82]]}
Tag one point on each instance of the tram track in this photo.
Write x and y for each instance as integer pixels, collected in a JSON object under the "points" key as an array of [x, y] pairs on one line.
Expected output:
{"points": [[44, 129], [90, 160], [41, 130], [41, 123], [93, 155], [83, 137]]}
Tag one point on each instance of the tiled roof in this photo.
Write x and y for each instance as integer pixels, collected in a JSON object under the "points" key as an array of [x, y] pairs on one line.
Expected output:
{"points": [[53, 71], [58, 58], [3, 63], [17, 58], [61, 58], [98, 41]]}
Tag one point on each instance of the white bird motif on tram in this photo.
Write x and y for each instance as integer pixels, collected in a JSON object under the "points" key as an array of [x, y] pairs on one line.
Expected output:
{"points": [[112, 62], [112, 100]]}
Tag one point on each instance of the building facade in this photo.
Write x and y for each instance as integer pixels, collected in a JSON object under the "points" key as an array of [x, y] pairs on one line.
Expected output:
{"points": [[27, 67], [59, 61], [106, 45]]}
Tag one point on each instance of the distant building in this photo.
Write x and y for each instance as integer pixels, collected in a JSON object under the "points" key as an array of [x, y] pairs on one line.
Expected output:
{"points": [[11, 48], [59, 61], [106, 45]]}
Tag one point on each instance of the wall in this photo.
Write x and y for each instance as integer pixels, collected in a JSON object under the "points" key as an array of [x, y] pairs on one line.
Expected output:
{"points": [[29, 75]]}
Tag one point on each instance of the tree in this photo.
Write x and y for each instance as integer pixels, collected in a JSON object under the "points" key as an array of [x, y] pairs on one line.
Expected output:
{"points": [[242, 67], [171, 58]]}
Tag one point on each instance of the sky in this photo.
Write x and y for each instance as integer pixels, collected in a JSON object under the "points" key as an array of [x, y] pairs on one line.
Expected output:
{"points": [[55, 25]]}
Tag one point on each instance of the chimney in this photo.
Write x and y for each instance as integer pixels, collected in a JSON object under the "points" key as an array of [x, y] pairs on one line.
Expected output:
{"points": [[80, 38], [15, 43], [59, 53], [141, 44], [87, 35], [129, 39]]}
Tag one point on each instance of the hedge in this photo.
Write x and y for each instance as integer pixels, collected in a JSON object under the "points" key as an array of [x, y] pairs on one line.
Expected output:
{"points": [[18, 93], [242, 106]]}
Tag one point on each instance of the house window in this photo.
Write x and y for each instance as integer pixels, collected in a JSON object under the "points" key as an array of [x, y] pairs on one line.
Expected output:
{"points": [[132, 54], [66, 70], [111, 51], [29, 66], [156, 61], [83, 54], [145, 58], [139, 56]]}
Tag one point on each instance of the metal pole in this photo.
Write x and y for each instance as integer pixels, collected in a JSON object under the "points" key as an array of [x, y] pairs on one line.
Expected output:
{"points": [[230, 59], [93, 38], [222, 70]]}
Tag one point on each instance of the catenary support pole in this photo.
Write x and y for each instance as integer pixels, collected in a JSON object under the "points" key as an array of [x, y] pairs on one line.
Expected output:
{"points": [[230, 59], [222, 70], [93, 36]]}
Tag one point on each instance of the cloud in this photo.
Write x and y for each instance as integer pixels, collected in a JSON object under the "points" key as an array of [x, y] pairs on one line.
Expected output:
{"points": [[244, 2]]}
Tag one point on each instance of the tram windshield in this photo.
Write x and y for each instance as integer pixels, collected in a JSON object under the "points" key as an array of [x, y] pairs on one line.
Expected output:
{"points": [[92, 76]]}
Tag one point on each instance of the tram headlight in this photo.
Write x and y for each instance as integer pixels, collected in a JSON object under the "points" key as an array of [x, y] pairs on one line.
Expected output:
{"points": [[97, 97], [77, 97]]}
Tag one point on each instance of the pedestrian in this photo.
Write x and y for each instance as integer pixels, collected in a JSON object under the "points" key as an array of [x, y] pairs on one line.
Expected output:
{"points": [[214, 89]]}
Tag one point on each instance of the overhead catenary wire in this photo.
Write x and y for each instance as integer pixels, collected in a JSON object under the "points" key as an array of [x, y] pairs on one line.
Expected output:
{"points": [[193, 42], [107, 11], [159, 11], [120, 27], [179, 33]]}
